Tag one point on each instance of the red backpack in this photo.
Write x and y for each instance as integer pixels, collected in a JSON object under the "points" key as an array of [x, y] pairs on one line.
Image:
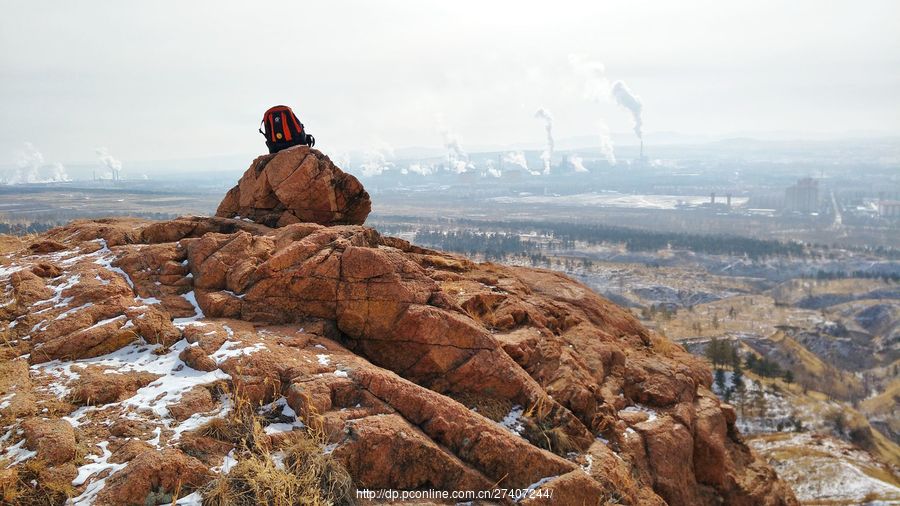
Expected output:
{"points": [[282, 129]]}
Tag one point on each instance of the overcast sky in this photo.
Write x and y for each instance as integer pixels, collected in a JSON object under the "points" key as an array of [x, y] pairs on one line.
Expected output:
{"points": [[167, 80]]}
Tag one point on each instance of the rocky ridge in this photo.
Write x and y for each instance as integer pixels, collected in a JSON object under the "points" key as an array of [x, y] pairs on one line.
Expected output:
{"points": [[423, 370]]}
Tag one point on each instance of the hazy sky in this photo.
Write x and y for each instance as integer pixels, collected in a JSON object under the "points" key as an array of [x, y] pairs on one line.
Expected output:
{"points": [[165, 80]]}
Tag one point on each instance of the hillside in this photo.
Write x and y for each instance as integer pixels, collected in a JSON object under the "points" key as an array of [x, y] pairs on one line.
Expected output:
{"points": [[827, 451], [237, 360]]}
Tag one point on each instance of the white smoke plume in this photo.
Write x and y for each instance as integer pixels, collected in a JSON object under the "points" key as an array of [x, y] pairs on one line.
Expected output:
{"points": [[596, 89], [593, 73], [577, 163], [109, 161], [30, 162], [456, 155], [606, 144], [461, 167], [422, 170], [625, 98], [491, 170], [451, 142], [375, 162], [547, 155], [58, 172], [457, 158], [31, 168], [517, 159]]}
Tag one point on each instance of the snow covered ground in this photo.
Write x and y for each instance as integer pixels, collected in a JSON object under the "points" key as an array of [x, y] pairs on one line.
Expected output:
{"points": [[613, 199], [824, 469]]}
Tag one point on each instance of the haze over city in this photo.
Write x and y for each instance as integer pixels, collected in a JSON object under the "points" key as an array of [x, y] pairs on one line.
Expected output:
{"points": [[167, 81]]}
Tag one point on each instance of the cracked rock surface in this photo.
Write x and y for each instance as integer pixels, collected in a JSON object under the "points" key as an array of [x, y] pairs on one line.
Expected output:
{"points": [[299, 184], [424, 369]]}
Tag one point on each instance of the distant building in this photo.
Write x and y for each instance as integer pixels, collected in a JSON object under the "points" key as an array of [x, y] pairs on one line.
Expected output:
{"points": [[889, 208], [802, 197]]}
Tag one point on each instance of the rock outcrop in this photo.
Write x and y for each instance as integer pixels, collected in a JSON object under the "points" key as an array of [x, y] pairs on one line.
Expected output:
{"points": [[297, 185], [421, 369]]}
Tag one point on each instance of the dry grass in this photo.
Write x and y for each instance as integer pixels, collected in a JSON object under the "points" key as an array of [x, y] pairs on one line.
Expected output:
{"points": [[809, 370], [10, 244], [25, 485], [752, 313], [539, 429], [664, 346], [490, 407], [242, 427], [791, 292], [305, 475], [801, 453], [856, 426], [886, 402]]}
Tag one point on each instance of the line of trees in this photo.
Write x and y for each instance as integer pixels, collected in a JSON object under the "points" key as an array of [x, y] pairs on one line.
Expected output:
{"points": [[725, 354], [564, 236], [494, 246], [647, 240], [58, 218], [884, 276], [768, 368], [25, 228]]}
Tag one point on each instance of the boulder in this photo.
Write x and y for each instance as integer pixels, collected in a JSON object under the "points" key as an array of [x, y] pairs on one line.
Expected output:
{"points": [[98, 386], [52, 439], [162, 472], [297, 185]]}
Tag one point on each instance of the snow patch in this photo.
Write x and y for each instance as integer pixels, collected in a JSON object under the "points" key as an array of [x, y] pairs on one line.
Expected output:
{"points": [[652, 414], [228, 350], [198, 313], [147, 300], [513, 420], [17, 453]]}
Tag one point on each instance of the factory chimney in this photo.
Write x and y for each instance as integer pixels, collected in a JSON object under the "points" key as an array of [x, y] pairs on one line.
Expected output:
{"points": [[712, 198], [728, 200]]}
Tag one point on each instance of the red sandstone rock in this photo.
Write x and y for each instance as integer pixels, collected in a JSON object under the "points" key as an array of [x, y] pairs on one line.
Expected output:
{"points": [[52, 439], [46, 246], [371, 339], [195, 357], [297, 185], [46, 270], [167, 471], [196, 400], [98, 386]]}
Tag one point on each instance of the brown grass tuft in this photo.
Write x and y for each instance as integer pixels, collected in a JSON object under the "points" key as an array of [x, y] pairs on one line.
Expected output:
{"points": [[492, 408], [242, 427], [664, 346], [26, 485], [540, 430], [305, 476]]}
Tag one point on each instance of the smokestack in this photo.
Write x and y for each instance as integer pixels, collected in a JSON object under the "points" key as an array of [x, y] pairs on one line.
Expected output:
{"points": [[110, 163], [728, 200], [712, 198], [642, 150]]}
